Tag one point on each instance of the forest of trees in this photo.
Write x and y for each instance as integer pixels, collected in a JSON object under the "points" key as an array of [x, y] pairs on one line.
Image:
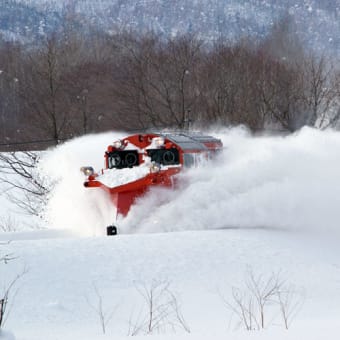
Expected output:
{"points": [[72, 83]]}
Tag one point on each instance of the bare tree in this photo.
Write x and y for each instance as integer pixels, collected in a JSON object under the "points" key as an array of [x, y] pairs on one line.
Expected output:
{"points": [[8, 223], [104, 315], [75, 82], [320, 95], [282, 42], [25, 187], [10, 70], [159, 85], [264, 290], [219, 80], [290, 301], [5, 297], [252, 304], [161, 310], [7, 292], [42, 92], [243, 307]]}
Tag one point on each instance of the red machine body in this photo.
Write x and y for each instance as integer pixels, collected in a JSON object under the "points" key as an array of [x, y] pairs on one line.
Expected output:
{"points": [[140, 161]]}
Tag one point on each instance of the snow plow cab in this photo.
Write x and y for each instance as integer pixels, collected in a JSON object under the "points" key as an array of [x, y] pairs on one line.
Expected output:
{"points": [[140, 161]]}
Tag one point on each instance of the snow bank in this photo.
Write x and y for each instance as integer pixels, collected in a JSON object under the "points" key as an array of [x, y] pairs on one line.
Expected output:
{"points": [[257, 182], [66, 278]]}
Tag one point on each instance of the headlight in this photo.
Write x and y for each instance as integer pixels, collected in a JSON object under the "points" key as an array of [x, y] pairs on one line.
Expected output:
{"points": [[117, 144], [87, 170], [155, 167], [159, 141]]}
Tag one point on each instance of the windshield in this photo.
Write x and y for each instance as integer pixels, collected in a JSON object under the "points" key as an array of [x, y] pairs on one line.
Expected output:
{"points": [[123, 159], [164, 156]]}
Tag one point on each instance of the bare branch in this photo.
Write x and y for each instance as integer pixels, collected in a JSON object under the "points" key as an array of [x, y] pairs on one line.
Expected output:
{"points": [[25, 186], [104, 316], [5, 297], [251, 305], [160, 312]]}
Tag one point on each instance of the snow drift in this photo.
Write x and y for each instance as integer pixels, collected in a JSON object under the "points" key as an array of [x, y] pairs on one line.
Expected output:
{"points": [[287, 182]]}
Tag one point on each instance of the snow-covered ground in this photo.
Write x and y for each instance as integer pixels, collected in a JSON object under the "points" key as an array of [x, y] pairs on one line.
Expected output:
{"points": [[268, 206]]}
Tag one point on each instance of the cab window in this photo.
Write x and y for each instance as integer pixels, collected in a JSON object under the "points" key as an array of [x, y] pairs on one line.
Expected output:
{"points": [[164, 156], [122, 159]]}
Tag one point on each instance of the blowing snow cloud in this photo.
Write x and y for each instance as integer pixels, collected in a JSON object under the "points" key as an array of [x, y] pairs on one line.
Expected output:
{"points": [[257, 182]]}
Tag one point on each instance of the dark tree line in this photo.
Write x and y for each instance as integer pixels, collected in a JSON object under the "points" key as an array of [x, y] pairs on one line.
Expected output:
{"points": [[74, 83]]}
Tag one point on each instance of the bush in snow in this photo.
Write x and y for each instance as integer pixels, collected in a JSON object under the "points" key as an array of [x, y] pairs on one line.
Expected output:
{"points": [[261, 299], [7, 291], [161, 310], [105, 315]]}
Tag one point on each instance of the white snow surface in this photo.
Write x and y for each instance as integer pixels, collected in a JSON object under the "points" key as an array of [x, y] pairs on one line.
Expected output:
{"points": [[115, 177], [266, 203]]}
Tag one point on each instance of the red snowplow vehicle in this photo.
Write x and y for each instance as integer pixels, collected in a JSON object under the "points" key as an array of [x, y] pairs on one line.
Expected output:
{"points": [[140, 161]]}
